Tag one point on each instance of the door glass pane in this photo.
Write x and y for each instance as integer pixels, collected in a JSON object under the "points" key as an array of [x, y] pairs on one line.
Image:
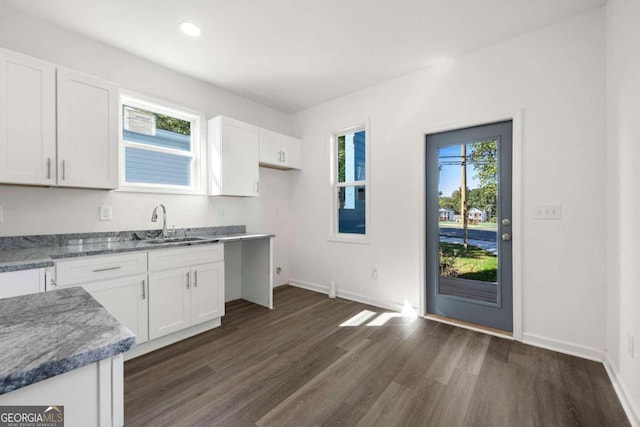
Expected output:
{"points": [[468, 195], [351, 209]]}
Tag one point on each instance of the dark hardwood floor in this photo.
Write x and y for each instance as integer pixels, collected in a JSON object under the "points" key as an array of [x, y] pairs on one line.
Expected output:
{"points": [[296, 366]]}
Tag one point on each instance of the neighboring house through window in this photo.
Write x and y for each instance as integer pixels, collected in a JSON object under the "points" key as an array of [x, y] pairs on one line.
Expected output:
{"points": [[160, 147], [349, 185]]}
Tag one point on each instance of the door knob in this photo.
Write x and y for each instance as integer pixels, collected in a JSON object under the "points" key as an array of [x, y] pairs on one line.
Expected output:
{"points": [[506, 236]]}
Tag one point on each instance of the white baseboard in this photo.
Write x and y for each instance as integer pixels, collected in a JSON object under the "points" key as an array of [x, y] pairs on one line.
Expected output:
{"points": [[388, 305], [565, 347], [632, 411]]}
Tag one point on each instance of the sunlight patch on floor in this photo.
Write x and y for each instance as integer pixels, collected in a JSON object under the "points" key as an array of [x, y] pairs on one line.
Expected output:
{"points": [[359, 318], [408, 312]]}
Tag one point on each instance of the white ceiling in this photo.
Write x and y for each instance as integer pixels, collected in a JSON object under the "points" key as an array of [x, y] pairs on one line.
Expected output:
{"points": [[293, 54]]}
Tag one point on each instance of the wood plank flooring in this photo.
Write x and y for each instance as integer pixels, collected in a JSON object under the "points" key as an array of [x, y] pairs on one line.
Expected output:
{"points": [[296, 366]]}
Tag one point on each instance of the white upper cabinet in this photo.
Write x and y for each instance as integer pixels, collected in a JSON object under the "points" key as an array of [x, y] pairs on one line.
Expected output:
{"points": [[27, 120], [87, 131], [233, 158], [279, 151], [57, 126], [292, 152]]}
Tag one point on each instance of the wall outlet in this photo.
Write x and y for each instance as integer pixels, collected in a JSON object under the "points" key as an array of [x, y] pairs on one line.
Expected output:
{"points": [[1, 214], [630, 349], [547, 212], [105, 213]]}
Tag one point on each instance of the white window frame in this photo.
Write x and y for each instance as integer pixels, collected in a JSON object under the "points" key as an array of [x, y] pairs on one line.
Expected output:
{"points": [[199, 162], [333, 235]]}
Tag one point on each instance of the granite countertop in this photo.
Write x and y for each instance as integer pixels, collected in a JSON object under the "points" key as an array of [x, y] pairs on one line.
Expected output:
{"points": [[29, 252], [50, 333]]}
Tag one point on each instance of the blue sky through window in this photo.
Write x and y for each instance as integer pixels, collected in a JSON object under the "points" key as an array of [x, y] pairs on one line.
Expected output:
{"points": [[449, 176]]}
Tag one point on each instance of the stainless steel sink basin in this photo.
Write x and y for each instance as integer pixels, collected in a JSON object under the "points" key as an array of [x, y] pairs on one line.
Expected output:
{"points": [[174, 240]]}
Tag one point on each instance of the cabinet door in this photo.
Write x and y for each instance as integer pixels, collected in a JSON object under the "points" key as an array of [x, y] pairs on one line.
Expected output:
{"points": [[271, 148], [234, 158], [87, 131], [27, 120], [292, 153], [126, 299], [169, 301], [16, 283], [207, 292]]}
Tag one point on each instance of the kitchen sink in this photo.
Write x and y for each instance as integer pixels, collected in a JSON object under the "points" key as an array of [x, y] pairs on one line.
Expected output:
{"points": [[174, 240]]}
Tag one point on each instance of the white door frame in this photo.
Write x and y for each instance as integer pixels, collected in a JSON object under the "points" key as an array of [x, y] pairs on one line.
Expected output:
{"points": [[517, 216]]}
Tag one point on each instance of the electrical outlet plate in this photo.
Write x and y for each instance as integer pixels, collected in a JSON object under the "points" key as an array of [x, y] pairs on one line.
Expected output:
{"points": [[105, 213], [547, 212], [1, 214]]}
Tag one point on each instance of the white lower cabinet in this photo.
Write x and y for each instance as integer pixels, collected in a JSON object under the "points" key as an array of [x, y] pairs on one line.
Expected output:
{"points": [[186, 287], [183, 297], [118, 282], [169, 301], [207, 292], [153, 293], [16, 283], [125, 298]]}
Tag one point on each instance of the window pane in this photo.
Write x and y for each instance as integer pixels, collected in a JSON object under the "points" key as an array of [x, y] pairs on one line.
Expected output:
{"points": [[147, 127], [150, 167], [351, 209], [351, 157]]}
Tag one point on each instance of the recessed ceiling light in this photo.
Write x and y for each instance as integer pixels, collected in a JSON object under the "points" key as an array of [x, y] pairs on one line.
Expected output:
{"points": [[190, 29]]}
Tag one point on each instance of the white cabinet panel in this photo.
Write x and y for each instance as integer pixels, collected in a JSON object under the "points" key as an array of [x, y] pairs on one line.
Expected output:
{"points": [[165, 259], [126, 300], [169, 301], [87, 131], [27, 120], [16, 283], [279, 151], [233, 158], [93, 268], [292, 152], [207, 292], [270, 148]]}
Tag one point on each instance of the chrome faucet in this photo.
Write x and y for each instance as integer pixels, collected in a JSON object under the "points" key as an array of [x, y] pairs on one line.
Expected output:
{"points": [[154, 218]]}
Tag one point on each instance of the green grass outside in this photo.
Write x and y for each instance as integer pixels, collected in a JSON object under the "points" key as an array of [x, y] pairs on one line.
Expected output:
{"points": [[480, 225], [473, 263]]}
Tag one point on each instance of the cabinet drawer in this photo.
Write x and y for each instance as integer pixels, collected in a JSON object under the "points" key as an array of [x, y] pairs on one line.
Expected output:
{"points": [[90, 269], [184, 257]]}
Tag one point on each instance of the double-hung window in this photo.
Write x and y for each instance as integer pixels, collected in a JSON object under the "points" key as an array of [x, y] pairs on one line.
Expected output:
{"points": [[160, 146], [349, 200]]}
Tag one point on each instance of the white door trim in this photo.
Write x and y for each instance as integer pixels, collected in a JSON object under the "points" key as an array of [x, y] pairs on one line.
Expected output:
{"points": [[517, 217]]}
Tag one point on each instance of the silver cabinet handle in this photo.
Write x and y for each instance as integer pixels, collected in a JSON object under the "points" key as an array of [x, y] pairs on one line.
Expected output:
{"points": [[279, 156], [284, 156], [195, 278], [64, 170], [48, 167], [506, 237], [144, 294], [257, 186], [107, 269], [188, 280]]}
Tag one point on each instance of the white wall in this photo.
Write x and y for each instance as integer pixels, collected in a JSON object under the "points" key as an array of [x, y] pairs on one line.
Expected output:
{"points": [[31, 210], [623, 126], [557, 77]]}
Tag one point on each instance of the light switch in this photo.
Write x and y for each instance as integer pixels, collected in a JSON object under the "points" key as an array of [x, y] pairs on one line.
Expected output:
{"points": [[547, 212]]}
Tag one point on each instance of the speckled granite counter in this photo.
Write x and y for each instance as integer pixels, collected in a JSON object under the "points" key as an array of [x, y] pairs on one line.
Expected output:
{"points": [[50, 333], [29, 252]]}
